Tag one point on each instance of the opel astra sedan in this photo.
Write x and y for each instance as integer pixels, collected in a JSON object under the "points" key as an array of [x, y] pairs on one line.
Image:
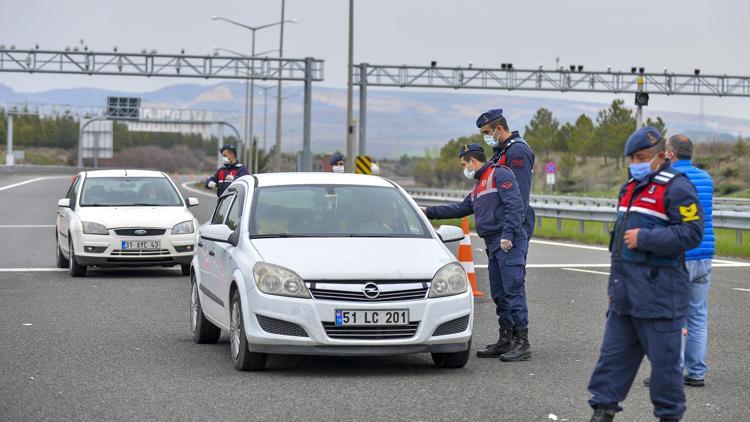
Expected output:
{"points": [[124, 218], [328, 264]]}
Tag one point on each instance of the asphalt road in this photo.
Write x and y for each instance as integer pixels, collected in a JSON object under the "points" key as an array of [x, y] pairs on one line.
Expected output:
{"points": [[116, 346]]}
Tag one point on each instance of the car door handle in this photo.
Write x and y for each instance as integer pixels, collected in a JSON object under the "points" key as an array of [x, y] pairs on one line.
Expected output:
{"points": [[211, 253]]}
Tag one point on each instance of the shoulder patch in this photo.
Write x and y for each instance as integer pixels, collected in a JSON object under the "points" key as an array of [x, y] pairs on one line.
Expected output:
{"points": [[517, 163], [507, 185], [689, 212]]}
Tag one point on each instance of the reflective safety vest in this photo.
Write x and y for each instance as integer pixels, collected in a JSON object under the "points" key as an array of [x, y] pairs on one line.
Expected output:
{"points": [[643, 208]]}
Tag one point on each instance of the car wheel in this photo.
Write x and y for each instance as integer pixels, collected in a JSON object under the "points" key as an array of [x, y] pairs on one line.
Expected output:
{"points": [[452, 360], [75, 269], [243, 358], [62, 262], [203, 330], [186, 269]]}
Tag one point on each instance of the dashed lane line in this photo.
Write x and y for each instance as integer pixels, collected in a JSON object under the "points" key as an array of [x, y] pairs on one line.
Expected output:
{"points": [[26, 182], [585, 271], [741, 289]]}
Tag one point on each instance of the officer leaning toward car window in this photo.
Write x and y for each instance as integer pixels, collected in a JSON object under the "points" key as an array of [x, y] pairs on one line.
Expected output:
{"points": [[513, 151], [659, 217], [338, 163], [225, 175], [498, 210]]}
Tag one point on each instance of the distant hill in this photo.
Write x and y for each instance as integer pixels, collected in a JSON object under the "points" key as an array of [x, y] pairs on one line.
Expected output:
{"points": [[398, 122]]}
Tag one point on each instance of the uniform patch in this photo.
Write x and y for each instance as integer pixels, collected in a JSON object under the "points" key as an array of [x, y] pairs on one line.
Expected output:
{"points": [[689, 213], [649, 200], [517, 163], [652, 189], [484, 183], [507, 185]]}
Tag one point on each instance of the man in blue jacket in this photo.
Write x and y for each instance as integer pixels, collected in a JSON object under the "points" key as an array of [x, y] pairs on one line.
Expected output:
{"points": [[698, 262], [226, 174], [498, 211], [658, 219]]}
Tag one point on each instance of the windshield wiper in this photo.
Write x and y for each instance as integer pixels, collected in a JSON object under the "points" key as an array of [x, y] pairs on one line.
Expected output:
{"points": [[369, 235]]}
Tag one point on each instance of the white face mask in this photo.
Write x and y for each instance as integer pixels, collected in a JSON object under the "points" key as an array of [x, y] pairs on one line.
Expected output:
{"points": [[469, 173], [224, 160], [338, 169]]}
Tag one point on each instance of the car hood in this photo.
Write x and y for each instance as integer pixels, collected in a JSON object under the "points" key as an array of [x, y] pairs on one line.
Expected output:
{"points": [[356, 258], [150, 217]]}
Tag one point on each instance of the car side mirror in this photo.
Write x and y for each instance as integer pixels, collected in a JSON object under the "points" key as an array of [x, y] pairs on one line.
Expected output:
{"points": [[217, 232], [192, 202], [450, 234], [64, 203]]}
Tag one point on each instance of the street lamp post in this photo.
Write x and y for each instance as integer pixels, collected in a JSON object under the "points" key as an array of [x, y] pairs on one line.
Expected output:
{"points": [[349, 110], [251, 88], [277, 152]]}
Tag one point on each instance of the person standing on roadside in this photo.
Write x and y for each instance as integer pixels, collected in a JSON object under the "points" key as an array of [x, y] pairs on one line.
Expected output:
{"points": [[658, 219], [230, 171]]}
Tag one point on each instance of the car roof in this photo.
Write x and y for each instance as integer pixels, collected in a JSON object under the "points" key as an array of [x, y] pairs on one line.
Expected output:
{"points": [[124, 173], [319, 178]]}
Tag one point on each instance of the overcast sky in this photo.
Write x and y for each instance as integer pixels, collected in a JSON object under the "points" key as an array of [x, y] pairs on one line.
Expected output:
{"points": [[680, 35]]}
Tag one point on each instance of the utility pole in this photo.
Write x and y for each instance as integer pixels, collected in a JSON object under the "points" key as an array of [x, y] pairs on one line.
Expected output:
{"points": [[277, 154], [349, 94]]}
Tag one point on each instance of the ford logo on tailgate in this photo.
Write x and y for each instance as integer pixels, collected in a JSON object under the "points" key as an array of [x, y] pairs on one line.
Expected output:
{"points": [[140, 232]]}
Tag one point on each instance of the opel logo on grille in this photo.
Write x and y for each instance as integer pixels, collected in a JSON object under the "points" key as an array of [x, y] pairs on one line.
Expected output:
{"points": [[140, 232], [371, 291]]}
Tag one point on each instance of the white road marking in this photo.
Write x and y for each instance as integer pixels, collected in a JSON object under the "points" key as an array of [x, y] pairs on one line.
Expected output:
{"points": [[569, 245], [585, 271], [25, 182], [26, 226], [31, 270], [740, 289], [188, 188], [556, 266]]}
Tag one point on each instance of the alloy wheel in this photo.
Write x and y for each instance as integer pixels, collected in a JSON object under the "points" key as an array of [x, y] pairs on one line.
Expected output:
{"points": [[234, 330]]}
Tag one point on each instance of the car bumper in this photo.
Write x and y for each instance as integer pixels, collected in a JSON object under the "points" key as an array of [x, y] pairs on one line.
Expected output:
{"points": [[312, 337], [175, 250]]}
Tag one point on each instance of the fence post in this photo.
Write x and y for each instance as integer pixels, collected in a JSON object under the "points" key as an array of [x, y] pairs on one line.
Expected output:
{"points": [[559, 225], [581, 226], [739, 237], [539, 222], [605, 225]]}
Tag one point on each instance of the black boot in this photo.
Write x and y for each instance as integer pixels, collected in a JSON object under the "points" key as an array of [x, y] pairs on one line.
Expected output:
{"points": [[504, 344], [602, 415], [668, 419], [521, 349]]}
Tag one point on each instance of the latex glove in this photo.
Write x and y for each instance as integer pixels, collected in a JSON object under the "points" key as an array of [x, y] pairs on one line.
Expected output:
{"points": [[211, 184], [229, 178], [506, 244]]}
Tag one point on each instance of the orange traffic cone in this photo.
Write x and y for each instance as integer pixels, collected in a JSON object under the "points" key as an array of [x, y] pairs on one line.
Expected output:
{"points": [[466, 258]]}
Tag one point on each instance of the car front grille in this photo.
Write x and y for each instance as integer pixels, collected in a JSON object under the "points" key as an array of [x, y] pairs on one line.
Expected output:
{"points": [[149, 232], [371, 332], [354, 291], [139, 252], [277, 326], [454, 326]]}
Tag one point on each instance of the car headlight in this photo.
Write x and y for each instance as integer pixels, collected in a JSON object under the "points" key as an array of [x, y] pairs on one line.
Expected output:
{"points": [[274, 280], [93, 228], [186, 227], [449, 280]]}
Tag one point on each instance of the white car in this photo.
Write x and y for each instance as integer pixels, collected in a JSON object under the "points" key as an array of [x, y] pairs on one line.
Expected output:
{"points": [[328, 264], [124, 218]]}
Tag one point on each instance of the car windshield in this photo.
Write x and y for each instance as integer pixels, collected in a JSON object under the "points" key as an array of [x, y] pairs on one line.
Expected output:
{"points": [[129, 192], [333, 211]]}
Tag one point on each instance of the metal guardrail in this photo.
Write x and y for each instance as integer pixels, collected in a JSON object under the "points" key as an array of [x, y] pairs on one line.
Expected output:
{"points": [[728, 213]]}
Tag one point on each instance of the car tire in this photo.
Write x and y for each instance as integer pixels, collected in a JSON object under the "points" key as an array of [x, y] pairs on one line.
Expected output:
{"points": [[243, 358], [452, 360], [185, 269], [62, 262], [75, 269], [204, 332]]}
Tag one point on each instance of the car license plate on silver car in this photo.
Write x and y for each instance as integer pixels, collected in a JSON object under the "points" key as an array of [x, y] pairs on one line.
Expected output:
{"points": [[379, 317], [141, 244]]}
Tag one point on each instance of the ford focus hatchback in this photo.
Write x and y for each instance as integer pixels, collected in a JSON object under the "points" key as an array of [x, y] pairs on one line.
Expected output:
{"points": [[328, 264]]}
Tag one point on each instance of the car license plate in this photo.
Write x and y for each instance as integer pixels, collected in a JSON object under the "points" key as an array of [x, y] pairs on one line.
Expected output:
{"points": [[379, 317], [141, 244]]}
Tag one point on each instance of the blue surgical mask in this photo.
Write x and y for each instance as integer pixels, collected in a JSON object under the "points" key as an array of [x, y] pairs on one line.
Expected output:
{"points": [[490, 140], [639, 171]]}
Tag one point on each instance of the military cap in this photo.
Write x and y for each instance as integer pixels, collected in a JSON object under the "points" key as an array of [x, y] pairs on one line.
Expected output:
{"points": [[642, 138], [470, 148], [489, 116], [335, 158], [228, 147]]}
